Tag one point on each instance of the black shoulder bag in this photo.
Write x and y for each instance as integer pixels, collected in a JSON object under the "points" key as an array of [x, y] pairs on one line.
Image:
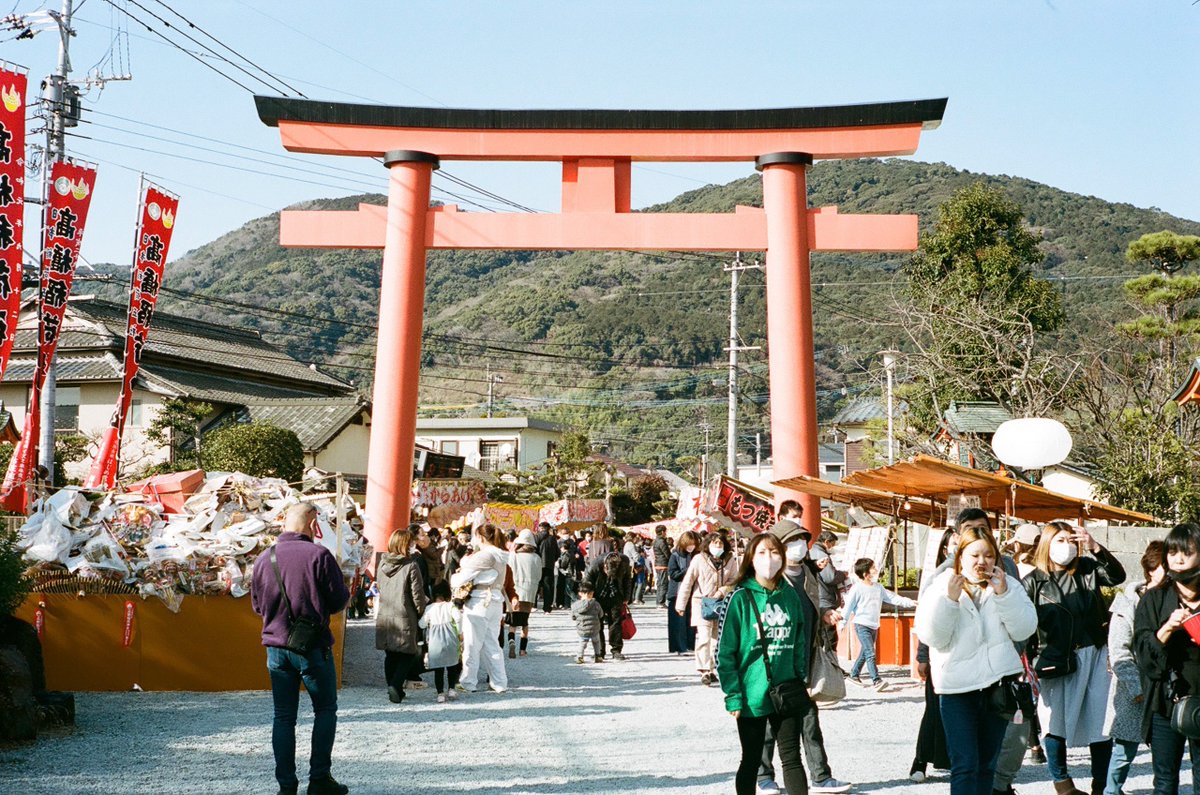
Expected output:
{"points": [[304, 634], [790, 698]]}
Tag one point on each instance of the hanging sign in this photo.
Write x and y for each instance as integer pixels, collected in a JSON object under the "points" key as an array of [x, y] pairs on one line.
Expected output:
{"points": [[12, 204], [155, 226], [127, 639], [39, 622], [741, 505], [67, 204]]}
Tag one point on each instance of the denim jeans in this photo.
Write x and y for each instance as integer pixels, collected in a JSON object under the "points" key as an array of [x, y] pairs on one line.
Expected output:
{"points": [[1056, 758], [866, 639], [973, 737], [1118, 767], [1166, 755], [317, 671]]}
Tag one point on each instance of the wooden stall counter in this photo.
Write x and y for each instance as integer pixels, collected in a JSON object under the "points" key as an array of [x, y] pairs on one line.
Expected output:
{"points": [[896, 644], [113, 642]]}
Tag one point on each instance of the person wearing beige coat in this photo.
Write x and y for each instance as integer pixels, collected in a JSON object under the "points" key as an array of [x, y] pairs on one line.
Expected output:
{"points": [[712, 573]]}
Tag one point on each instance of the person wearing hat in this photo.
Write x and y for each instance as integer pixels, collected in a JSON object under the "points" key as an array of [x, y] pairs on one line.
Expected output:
{"points": [[801, 573], [526, 564], [1023, 545]]}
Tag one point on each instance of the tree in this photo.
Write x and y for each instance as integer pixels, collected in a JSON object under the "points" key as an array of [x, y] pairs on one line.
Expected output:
{"points": [[176, 423], [257, 449], [1166, 296], [976, 317], [1147, 467], [14, 583], [570, 472]]}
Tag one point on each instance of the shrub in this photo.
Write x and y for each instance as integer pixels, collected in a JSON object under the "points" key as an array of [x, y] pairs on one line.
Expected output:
{"points": [[14, 585], [257, 449]]}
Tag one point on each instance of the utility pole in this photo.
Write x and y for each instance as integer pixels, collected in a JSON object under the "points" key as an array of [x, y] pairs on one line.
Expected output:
{"points": [[889, 366], [706, 428], [55, 91], [492, 380], [731, 431]]}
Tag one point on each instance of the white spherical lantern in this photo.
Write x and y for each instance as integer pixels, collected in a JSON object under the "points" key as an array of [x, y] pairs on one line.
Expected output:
{"points": [[1032, 443]]}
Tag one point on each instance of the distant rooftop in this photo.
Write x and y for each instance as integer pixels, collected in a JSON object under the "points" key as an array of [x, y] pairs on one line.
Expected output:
{"points": [[974, 417], [864, 409], [484, 424]]}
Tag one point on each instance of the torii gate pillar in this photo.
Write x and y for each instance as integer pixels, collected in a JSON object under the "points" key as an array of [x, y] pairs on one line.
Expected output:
{"points": [[398, 346], [790, 326]]}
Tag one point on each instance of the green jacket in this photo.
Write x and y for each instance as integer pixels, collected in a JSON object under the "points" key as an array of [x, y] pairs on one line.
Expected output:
{"points": [[739, 651]]}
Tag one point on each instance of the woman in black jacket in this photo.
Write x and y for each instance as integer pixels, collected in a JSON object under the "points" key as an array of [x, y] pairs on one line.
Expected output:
{"points": [[681, 635], [1070, 650], [1168, 658]]}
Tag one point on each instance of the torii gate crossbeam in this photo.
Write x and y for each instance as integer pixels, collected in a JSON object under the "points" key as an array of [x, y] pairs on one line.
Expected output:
{"points": [[597, 149]]}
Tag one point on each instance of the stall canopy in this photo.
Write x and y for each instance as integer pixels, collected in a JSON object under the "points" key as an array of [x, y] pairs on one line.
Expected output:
{"points": [[927, 478], [915, 508]]}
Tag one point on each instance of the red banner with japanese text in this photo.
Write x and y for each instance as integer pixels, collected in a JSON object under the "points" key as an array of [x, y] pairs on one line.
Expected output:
{"points": [[65, 214], [155, 225], [741, 505], [12, 203]]}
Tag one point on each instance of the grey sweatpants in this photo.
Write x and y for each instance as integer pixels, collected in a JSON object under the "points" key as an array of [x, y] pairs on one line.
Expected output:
{"points": [[1012, 754]]}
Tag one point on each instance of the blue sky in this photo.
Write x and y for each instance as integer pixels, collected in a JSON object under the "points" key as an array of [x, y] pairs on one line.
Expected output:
{"points": [[1093, 97]]}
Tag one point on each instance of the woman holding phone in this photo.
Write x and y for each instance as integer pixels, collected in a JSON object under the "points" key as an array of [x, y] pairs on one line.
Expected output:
{"points": [[1070, 651]]}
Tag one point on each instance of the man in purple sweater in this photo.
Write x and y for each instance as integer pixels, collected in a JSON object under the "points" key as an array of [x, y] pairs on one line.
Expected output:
{"points": [[315, 589]]}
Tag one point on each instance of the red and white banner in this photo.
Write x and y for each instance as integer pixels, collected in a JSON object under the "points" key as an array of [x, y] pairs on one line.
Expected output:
{"points": [[155, 225], [127, 635], [739, 504], [12, 203], [67, 204]]}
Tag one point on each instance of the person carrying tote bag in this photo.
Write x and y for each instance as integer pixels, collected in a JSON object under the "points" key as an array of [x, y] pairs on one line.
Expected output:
{"points": [[763, 598]]}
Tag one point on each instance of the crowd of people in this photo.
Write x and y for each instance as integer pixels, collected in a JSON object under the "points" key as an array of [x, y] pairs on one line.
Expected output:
{"points": [[1021, 653]]}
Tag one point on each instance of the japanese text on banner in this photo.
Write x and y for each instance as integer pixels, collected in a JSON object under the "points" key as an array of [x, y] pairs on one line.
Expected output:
{"points": [[12, 205]]}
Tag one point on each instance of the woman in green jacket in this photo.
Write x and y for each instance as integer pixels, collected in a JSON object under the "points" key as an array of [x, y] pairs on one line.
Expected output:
{"points": [[740, 666]]}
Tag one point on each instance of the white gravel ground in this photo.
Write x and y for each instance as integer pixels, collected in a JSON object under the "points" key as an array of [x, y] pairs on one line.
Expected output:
{"points": [[643, 725]]}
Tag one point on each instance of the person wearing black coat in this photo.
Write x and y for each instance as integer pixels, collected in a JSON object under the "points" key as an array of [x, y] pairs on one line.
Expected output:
{"points": [[681, 635], [608, 579], [662, 555], [547, 547], [1168, 658]]}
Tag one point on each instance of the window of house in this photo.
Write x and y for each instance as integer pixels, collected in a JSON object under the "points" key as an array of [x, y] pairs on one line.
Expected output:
{"points": [[489, 456], [450, 448], [135, 413], [66, 409]]}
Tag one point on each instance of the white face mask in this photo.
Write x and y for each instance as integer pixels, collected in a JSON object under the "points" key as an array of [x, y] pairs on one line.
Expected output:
{"points": [[1063, 552], [797, 551], [766, 567], [716, 550]]}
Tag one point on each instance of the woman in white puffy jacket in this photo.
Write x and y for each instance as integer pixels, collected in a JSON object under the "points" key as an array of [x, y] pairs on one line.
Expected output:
{"points": [[970, 616]]}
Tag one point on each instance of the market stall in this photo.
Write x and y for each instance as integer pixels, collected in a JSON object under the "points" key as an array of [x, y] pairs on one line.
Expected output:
{"points": [[127, 592], [442, 502]]}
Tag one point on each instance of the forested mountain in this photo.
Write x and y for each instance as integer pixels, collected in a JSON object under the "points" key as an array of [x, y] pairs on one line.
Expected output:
{"points": [[630, 346]]}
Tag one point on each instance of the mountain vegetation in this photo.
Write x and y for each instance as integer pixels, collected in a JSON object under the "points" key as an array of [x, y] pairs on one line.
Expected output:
{"points": [[630, 346]]}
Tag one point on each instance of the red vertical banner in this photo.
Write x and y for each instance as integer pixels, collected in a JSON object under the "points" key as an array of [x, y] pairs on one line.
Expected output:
{"points": [[156, 222], [67, 203], [127, 635], [12, 203]]}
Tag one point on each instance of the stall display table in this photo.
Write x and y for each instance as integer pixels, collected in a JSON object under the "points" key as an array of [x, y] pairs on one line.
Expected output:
{"points": [[99, 642]]}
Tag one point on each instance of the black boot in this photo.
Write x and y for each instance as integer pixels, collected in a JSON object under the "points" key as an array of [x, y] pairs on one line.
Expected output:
{"points": [[326, 786]]}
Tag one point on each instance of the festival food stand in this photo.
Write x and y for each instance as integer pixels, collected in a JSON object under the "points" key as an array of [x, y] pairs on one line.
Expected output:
{"points": [[130, 594], [441, 502]]}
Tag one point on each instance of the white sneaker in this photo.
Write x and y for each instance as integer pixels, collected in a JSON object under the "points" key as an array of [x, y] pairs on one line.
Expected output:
{"points": [[768, 787], [917, 776], [452, 694], [830, 785], [441, 698]]}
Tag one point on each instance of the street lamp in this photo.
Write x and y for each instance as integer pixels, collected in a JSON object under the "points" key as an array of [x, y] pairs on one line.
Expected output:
{"points": [[889, 367]]}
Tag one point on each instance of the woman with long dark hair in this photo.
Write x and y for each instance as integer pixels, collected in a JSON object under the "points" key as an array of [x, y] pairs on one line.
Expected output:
{"points": [[1168, 657], [711, 573], [1070, 652], [681, 635], [763, 598], [401, 603]]}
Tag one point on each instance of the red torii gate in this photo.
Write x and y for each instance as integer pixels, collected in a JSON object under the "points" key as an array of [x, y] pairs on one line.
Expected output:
{"points": [[596, 149]]}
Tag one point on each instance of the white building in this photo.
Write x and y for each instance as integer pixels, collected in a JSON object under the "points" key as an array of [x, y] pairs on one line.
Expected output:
{"points": [[492, 444]]}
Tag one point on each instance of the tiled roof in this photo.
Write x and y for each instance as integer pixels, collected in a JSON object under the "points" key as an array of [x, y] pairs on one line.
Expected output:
{"points": [[91, 367], [96, 325], [314, 420], [860, 410], [975, 417], [219, 388], [831, 453]]}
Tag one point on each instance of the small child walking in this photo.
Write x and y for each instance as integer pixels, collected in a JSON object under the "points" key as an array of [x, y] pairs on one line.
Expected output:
{"points": [[865, 603], [442, 622], [586, 613]]}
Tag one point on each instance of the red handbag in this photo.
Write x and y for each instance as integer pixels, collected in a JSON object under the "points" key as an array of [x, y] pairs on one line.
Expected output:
{"points": [[628, 628]]}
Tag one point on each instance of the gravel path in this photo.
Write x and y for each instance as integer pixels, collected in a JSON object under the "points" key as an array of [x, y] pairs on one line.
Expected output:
{"points": [[642, 725]]}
